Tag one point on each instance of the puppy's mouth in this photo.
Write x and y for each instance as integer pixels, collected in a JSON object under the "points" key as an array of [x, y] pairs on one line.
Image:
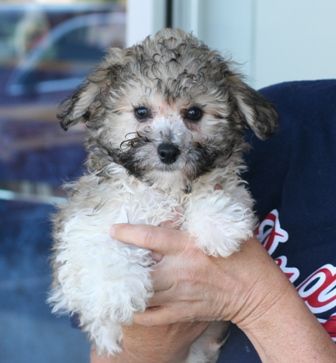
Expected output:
{"points": [[137, 149], [197, 160], [140, 156], [168, 168]]}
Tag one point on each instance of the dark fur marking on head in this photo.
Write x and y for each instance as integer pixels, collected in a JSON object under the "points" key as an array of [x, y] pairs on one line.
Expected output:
{"points": [[201, 159], [178, 67], [126, 155]]}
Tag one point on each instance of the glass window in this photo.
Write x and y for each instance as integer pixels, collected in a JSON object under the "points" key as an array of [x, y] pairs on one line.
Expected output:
{"points": [[46, 50]]}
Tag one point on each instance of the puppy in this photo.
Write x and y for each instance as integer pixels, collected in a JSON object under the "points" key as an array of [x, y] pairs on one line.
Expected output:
{"points": [[165, 121]]}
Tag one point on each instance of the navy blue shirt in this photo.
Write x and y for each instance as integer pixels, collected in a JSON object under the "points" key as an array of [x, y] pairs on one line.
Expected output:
{"points": [[292, 177]]}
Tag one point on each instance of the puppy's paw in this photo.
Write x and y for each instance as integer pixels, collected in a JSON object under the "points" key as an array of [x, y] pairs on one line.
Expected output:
{"points": [[220, 225], [223, 237]]}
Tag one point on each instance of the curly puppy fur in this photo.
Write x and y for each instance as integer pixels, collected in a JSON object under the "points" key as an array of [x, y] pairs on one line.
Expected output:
{"points": [[171, 89]]}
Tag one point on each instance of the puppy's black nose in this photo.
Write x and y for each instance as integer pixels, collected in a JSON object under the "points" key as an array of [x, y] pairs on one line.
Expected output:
{"points": [[168, 153]]}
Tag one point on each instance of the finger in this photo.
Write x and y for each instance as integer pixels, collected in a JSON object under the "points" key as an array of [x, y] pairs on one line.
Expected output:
{"points": [[158, 239], [160, 298], [161, 316], [169, 289], [156, 257], [162, 276], [162, 284]]}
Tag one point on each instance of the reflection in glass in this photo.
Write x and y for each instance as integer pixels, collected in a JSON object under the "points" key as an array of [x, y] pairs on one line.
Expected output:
{"points": [[46, 50]]}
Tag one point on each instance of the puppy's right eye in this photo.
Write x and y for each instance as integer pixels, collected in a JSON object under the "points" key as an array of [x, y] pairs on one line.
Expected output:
{"points": [[193, 114], [142, 113]]}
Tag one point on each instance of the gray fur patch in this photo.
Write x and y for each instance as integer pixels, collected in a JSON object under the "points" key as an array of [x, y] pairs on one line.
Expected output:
{"points": [[168, 73]]}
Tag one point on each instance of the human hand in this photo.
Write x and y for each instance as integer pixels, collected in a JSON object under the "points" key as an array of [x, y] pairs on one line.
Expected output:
{"points": [[191, 286], [247, 288], [165, 343]]}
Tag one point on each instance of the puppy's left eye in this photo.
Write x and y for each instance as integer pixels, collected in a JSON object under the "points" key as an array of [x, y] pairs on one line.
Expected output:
{"points": [[142, 113], [193, 113]]}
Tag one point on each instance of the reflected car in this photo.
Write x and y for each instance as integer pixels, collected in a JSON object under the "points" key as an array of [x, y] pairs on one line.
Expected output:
{"points": [[63, 58], [31, 90], [45, 52]]}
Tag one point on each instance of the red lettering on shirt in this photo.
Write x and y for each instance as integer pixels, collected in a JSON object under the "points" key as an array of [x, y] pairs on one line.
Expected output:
{"points": [[270, 233], [330, 326], [291, 272], [319, 289]]}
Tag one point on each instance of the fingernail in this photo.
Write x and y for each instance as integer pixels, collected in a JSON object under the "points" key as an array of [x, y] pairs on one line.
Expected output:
{"points": [[112, 231], [156, 257]]}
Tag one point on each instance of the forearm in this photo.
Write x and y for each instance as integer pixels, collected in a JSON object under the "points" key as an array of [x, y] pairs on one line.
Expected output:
{"points": [[247, 288], [288, 332]]}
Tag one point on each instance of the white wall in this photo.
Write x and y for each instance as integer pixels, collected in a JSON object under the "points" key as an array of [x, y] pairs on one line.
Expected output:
{"points": [[273, 40], [294, 39], [227, 25], [144, 17]]}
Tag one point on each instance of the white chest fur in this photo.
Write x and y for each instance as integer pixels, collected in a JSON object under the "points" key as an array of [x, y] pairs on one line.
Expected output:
{"points": [[105, 281]]}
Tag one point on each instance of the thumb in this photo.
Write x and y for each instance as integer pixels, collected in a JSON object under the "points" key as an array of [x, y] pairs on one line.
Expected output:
{"points": [[158, 239]]}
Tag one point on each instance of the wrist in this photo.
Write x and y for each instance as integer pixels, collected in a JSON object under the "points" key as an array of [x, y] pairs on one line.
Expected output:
{"points": [[283, 330], [266, 308], [264, 297], [256, 284]]}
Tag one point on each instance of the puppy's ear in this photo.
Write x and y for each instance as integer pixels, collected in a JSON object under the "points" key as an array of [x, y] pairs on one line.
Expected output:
{"points": [[77, 107], [255, 111]]}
